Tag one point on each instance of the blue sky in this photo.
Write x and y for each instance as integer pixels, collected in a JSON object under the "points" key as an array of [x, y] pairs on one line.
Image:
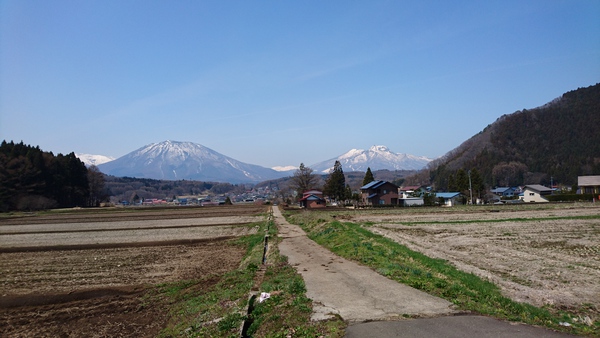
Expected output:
{"points": [[283, 82]]}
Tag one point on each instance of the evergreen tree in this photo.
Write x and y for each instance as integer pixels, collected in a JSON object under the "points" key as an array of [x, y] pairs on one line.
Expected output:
{"points": [[335, 186], [368, 177], [476, 183], [462, 181], [303, 179]]}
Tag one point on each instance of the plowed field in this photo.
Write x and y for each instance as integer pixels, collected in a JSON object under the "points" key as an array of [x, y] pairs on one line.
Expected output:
{"points": [[86, 273]]}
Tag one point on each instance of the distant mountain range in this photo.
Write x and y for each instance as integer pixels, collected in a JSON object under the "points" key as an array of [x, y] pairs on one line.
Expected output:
{"points": [[172, 160], [96, 160], [376, 158]]}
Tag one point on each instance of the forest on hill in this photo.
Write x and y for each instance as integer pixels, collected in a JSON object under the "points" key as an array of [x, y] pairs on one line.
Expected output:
{"points": [[31, 179], [553, 143]]}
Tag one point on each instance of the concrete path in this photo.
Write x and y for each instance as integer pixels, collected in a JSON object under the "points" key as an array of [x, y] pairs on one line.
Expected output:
{"points": [[342, 287], [371, 302]]}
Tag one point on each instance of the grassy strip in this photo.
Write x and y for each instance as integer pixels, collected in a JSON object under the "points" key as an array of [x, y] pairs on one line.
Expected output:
{"points": [[219, 310], [434, 276], [287, 312], [216, 305]]}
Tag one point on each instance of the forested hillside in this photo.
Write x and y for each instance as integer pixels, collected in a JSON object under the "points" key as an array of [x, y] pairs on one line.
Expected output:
{"points": [[555, 142], [32, 179]]}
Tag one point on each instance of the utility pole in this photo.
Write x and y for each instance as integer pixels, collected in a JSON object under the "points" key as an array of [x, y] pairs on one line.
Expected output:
{"points": [[470, 188]]}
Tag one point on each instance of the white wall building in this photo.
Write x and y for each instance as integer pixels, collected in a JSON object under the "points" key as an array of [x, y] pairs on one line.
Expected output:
{"points": [[536, 193]]}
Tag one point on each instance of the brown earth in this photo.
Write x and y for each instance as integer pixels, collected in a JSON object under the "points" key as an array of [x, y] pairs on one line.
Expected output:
{"points": [[101, 290], [544, 256]]}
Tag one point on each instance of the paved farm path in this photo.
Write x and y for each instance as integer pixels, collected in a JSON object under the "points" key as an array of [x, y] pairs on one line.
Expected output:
{"points": [[370, 302], [355, 292]]}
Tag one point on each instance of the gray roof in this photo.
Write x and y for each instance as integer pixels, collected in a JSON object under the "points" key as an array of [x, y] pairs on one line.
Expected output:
{"points": [[537, 187], [588, 180]]}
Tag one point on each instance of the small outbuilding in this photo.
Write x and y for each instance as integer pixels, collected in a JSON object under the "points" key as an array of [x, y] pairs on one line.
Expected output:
{"points": [[449, 199]]}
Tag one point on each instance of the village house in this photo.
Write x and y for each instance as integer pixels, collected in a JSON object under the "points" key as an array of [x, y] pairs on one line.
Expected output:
{"points": [[312, 199], [379, 193], [449, 199], [589, 185], [536, 193], [409, 196], [505, 191]]}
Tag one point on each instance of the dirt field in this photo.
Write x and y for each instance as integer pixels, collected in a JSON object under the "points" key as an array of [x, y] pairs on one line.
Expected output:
{"points": [[536, 255], [86, 274]]}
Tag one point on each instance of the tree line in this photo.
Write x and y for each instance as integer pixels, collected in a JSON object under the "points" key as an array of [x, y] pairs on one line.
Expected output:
{"points": [[32, 179]]}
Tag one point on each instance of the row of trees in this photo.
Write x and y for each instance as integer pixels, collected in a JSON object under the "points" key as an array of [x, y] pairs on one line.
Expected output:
{"points": [[32, 179], [335, 186]]}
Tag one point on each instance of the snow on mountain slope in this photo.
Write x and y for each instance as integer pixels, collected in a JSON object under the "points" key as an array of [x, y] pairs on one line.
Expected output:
{"points": [[285, 168], [377, 157], [90, 160]]}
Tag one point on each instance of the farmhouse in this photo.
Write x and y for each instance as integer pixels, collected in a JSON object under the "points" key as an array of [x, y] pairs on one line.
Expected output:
{"points": [[379, 193], [536, 193], [504, 191], [312, 199], [589, 184], [449, 198]]}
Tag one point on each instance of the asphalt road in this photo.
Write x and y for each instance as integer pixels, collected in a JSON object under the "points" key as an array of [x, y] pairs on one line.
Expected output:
{"points": [[449, 327]]}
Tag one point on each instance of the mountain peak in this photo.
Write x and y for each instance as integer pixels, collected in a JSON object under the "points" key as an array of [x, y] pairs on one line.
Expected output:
{"points": [[379, 148], [175, 160]]}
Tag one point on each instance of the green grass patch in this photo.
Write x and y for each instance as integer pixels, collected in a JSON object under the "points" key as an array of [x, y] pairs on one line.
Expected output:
{"points": [[434, 276], [217, 306], [287, 312]]}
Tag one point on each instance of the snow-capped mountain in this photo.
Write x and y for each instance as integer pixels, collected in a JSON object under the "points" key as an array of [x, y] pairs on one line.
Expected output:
{"points": [[90, 160], [171, 160], [376, 158]]}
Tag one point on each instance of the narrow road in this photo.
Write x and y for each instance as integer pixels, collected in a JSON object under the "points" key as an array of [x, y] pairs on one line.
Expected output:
{"points": [[342, 287]]}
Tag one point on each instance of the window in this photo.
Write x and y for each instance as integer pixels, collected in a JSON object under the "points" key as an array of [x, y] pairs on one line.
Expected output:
{"points": [[531, 194]]}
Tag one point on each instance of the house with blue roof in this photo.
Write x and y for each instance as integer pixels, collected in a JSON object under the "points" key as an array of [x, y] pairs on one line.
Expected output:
{"points": [[379, 193], [449, 198], [504, 191]]}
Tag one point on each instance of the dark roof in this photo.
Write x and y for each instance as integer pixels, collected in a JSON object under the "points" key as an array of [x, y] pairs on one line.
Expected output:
{"points": [[372, 195], [374, 185], [537, 188]]}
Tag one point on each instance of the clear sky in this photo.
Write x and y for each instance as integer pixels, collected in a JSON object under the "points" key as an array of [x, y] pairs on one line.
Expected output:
{"points": [[283, 82]]}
